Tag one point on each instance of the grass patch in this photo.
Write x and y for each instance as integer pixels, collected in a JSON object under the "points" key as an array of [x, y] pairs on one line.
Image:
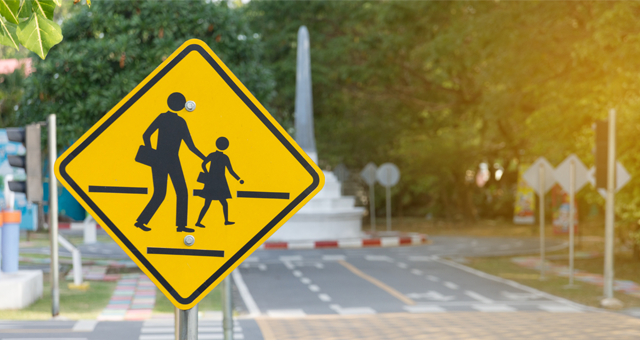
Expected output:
{"points": [[586, 294], [211, 302], [74, 304]]}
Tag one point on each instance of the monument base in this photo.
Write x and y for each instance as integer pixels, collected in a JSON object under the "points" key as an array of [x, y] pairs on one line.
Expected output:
{"points": [[20, 289], [327, 216]]}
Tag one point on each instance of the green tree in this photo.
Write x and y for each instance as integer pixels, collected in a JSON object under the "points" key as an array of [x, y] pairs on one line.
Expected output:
{"points": [[438, 87], [112, 46]]}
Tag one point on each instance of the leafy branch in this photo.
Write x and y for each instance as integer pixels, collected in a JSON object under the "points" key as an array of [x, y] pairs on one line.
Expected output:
{"points": [[30, 23]]}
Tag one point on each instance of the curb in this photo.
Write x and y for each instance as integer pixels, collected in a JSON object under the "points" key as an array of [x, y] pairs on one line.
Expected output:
{"points": [[373, 240], [74, 225]]}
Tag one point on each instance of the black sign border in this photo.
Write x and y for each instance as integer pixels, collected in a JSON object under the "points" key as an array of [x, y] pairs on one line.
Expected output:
{"points": [[122, 109]]}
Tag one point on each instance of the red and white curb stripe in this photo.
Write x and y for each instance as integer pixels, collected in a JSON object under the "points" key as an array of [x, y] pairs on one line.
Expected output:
{"points": [[386, 241], [74, 225]]}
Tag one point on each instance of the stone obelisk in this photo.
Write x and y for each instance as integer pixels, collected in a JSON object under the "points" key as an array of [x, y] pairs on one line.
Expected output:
{"points": [[304, 98], [328, 215]]}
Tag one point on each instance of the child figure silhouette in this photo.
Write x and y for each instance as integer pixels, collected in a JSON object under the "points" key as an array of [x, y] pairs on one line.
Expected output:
{"points": [[215, 181]]}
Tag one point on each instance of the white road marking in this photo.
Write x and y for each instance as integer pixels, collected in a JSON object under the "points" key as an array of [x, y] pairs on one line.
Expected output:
{"points": [[450, 285], [171, 329], [378, 258], [283, 313], [252, 258], [352, 310], [291, 258], [84, 326], [262, 266], [424, 309], [44, 338], [319, 265], [431, 295], [477, 296], [219, 336], [324, 297], [245, 294], [416, 271], [402, 265], [520, 296], [289, 265], [305, 280], [560, 309], [333, 257], [314, 288], [297, 273], [420, 258], [515, 285], [493, 308], [433, 278]]}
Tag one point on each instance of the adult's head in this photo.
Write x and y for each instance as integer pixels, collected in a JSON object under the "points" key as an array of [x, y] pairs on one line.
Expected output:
{"points": [[176, 101], [222, 143]]}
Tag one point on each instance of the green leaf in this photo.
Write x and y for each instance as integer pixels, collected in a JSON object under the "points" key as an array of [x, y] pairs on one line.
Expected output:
{"points": [[8, 35], [38, 34], [25, 9], [44, 7], [9, 10]]}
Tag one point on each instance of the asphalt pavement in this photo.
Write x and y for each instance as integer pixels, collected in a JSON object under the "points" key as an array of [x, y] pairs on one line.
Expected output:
{"points": [[413, 292]]}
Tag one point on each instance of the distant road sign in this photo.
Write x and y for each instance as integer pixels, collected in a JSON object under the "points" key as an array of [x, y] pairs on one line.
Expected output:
{"points": [[622, 178], [561, 173], [119, 172], [532, 175], [388, 174], [368, 174]]}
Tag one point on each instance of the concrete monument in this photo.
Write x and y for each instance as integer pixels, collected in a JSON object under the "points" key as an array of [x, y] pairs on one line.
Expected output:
{"points": [[329, 215]]}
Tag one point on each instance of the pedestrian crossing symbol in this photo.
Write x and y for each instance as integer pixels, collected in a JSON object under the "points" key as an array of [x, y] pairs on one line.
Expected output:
{"points": [[189, 174]]}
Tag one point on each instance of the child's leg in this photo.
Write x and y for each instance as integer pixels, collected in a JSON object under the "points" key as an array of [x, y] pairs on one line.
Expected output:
{"points": [[225, 210], [207, 203]]}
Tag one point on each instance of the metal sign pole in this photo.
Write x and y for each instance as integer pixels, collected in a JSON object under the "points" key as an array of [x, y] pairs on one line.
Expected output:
{"points": [[372, 206], [609, 212], [188, 324], [176, 323], [227, 309], [572, 193], [388, 200], [541, 197], [53, 216]]}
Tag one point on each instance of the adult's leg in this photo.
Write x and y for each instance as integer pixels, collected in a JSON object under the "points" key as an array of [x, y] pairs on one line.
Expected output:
{"points": [[225, 210], [182, 195], [207, 203], [159, 192]]}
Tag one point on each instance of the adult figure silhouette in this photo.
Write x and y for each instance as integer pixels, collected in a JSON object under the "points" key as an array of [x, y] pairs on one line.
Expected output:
{"points": [[165, 162], [215, 181]]}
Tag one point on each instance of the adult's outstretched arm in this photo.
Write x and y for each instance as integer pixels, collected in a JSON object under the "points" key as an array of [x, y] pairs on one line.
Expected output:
{"points": [[189, 141]]}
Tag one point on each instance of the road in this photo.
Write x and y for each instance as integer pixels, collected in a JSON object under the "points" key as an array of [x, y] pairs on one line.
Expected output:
{"points": [[381, 293], [385, 280]]}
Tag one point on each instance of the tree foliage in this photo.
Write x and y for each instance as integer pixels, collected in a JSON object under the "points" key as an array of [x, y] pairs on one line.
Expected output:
{"points": [[439, 87], [112, 46], [30, 23]]}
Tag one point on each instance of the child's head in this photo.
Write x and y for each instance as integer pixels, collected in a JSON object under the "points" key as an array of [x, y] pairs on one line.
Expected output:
{"points": [[222, 143]]}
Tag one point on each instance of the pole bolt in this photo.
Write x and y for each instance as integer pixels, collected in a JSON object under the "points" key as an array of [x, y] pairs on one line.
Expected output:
{"points": [[189, 240], [190, 106]]}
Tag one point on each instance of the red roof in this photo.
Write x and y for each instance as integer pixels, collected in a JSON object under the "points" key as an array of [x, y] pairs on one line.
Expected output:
{"points": [[7, 66]]}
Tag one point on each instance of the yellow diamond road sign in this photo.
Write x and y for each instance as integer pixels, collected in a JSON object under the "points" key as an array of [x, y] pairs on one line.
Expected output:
{"points": [[189, 174]]}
